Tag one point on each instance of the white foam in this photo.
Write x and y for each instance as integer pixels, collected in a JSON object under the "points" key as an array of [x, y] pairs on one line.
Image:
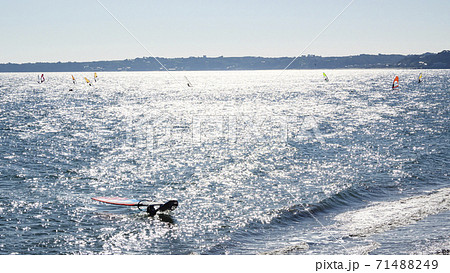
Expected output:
{"points": [[289, 249], [383, 216], [363, 249]]}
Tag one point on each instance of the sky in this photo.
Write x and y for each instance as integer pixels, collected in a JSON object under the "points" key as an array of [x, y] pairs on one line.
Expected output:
{"points": [[60, 30]]}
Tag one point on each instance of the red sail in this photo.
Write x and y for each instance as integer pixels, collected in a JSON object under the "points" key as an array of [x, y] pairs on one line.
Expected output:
{"points": [[395, 83]]}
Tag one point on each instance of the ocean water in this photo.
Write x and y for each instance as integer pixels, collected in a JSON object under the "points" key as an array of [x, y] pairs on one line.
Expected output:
{"points": [[261, 162]]}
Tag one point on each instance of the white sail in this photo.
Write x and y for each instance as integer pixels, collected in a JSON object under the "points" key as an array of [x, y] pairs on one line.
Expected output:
{"points": [[188, 82]]}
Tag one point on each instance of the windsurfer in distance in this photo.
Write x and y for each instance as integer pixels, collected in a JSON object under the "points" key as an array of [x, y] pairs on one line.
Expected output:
{"points": [[395, 83]]}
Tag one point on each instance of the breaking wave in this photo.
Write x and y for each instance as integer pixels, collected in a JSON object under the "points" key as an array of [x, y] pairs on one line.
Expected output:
{"points": [[382, 216]]}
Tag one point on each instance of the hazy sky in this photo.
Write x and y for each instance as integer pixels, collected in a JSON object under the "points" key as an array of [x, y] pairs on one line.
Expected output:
{"points": [[46, 30]]}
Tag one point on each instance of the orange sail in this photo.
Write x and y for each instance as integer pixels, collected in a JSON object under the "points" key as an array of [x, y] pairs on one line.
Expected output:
{"points": [[395, 83]]}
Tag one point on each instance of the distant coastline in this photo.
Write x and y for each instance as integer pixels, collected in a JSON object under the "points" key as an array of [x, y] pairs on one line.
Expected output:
{"points": [[439, 60]]}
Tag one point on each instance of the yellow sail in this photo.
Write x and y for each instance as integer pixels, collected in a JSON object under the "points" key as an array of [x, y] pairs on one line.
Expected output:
{"points": [[95, 76], [87, 81]]}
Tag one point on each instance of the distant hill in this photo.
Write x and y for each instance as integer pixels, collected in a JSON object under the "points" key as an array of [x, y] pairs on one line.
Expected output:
{"points": [[423, 61], [427, 60]]}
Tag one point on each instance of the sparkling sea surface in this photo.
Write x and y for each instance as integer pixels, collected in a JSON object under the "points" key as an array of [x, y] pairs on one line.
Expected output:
{"points": [[261, 162]]}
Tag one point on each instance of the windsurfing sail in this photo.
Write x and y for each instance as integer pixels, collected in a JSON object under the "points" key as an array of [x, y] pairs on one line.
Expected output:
{"points": [[325, 77], [95, 76], [87, 81], [420, 77], [188, 82], [73, 79], [41, 78], [152, 207], [117, 201], [395, 83]]}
